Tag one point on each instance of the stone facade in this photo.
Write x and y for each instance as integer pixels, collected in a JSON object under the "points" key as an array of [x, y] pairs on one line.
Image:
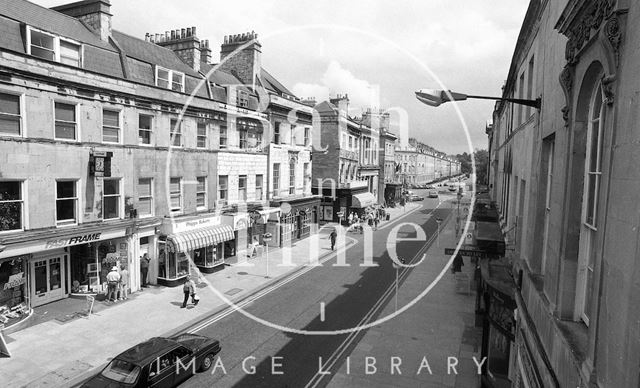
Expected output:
{"points": [[563, 178]]}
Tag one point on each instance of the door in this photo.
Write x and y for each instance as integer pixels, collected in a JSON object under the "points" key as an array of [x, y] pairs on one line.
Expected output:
{"points": [[47, 279], [186, 364], [162, 371]]}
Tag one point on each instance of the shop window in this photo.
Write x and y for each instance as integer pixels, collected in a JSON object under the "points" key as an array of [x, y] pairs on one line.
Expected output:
{"points": [[201, 141], [209, 256], [276, 179], [111, 199], [145, 123], [11, 206], [65, 121], [10, 116], [177, 265], [223, 136], [176, 133], [201, 192], [145, 197], [110, 126], [175, 194], [242, 188], [259, 188], [12, 291], [66, 202], [223, 188], [242, 136]]}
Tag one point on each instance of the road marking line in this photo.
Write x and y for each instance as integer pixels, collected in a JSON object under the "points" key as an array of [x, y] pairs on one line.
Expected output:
{"points": [[321, 311], [231, 309], [337, 354]]}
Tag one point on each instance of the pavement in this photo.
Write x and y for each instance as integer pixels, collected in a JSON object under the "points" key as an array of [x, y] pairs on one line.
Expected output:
{"points": [[439, 328], [63, 351]]}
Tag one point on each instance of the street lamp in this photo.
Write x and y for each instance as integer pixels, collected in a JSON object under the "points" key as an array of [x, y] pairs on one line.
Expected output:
{"points": [[435, 97]]}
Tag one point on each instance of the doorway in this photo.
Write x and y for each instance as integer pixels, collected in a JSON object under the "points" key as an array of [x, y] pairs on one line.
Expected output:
{"points": [[48, 279]]}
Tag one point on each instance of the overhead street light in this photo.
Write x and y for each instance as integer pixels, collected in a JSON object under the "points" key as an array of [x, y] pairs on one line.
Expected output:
{"points": [[435, 97]]}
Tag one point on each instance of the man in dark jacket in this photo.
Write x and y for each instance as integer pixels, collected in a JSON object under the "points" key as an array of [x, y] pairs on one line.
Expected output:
{"points": [[189, 289], [144, 269]]}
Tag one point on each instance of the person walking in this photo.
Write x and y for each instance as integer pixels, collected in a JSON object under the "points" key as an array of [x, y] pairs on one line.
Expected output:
{"points": [[457, 264], [113, 279], [189, 289], [124, 283], [333, 237], [376, 221], [144, 269]]}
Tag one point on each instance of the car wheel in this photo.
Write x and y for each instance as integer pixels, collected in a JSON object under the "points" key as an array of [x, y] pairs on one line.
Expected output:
{"points": [[207, 361]]}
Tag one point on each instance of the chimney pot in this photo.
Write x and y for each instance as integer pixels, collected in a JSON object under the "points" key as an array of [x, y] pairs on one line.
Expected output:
{"points": [[173, 35], [157, 38], [188, 32], [183, 33], [193, 31]]}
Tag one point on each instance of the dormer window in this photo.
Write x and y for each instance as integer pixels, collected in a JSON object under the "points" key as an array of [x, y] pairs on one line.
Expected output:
{"points": [[243, 99], [54, 48], [169, 79]]}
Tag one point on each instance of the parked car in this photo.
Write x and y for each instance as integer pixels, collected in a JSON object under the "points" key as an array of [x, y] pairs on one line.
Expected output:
{"points": [[453, 188], [415, 197], [153, 362], [433, 193]]}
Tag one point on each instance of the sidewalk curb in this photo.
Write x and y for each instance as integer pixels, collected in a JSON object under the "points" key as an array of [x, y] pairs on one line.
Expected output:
{"points": [[81, 378]]}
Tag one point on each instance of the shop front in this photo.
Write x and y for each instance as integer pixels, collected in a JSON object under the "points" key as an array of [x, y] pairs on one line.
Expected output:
{"points": [[496, 301], [188, 243], [248, 230], [392, 193], [298, 218], [344, 201], [13, 290]]}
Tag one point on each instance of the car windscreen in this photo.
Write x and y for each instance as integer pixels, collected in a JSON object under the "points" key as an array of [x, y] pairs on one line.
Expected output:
{"points": [[121, 371]]}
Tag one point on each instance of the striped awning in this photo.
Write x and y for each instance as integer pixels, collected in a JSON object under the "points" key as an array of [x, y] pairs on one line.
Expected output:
{"points": [[363, 200], [199, 238]]}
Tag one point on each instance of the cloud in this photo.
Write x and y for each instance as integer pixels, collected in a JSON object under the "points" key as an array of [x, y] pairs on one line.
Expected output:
{"points": [[338, 80]]}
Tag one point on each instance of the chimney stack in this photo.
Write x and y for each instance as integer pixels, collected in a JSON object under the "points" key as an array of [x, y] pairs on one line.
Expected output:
{"points": [[95, 13], [342, 102], [246, 63], [185, 44]]}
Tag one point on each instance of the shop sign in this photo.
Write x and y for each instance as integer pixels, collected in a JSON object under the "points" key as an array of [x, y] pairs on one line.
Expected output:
{"points": [[15, 281], [184, 226], [58, 243]]}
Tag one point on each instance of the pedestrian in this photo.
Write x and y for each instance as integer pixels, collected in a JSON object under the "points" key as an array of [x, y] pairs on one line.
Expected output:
{"points": [[376, 221], [113, 279], [189, 289], [124, 283], [144, 269], [351, 218], [162, 269], [333, 237], [457, 264]]}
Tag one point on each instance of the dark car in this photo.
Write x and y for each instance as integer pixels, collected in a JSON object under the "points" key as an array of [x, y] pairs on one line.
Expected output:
{"points": [[159, 362]]}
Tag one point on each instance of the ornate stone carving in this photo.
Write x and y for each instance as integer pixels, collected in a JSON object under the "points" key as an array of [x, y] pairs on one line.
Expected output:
{"points": [[566, 82], [565, 116], [582, 30], [614, 35], [607, 89]]}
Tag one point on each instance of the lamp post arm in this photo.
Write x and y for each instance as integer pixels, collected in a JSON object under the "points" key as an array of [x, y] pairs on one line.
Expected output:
{"points": [[533, 103]]}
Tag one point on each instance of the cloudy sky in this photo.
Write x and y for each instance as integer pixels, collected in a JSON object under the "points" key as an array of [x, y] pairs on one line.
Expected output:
{"points": [[378, 52]]}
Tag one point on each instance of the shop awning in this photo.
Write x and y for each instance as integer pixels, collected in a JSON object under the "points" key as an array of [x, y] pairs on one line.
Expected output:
{"points": [[199, 238], [363, 200]]}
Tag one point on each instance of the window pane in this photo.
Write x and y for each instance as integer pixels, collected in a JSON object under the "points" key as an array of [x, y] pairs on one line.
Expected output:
{"points": [[69, 53], [164, 74], [10, 191], [42, 40], [65, 209], [200, 200], [41, 53], [177, 77], [222, 182], [111, 118], [65, 112], [9, 104], [111, 186], [201, 184], [174, 185], [591, 197], [175, 201], [144, 122], [66, 189], [144, 206], [144, 187], [9, 125], [65, 131], [110, 135], [202, 129], [111, 208], [144, 136]]}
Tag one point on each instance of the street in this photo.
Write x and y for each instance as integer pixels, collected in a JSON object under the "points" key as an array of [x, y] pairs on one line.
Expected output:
{"points": [[350, 296]]}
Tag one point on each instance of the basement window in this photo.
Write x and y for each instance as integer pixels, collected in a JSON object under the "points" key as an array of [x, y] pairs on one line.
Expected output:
{"points": [[169, 79], [53, 48]]}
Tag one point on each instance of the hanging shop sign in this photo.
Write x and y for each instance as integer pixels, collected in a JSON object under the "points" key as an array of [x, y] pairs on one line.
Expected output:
{"points": [[191, 224]]}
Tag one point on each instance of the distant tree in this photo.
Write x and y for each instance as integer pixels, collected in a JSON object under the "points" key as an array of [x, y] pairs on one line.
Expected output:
{"points": [[482, 165], [465, 162]]}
